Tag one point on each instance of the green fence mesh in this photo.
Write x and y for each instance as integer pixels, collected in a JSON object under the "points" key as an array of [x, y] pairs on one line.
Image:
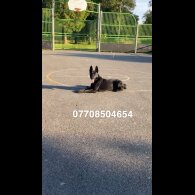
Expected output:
{"points": [[79, 30], [117, 29], [46, 28], [73, 30], [144, 38]]}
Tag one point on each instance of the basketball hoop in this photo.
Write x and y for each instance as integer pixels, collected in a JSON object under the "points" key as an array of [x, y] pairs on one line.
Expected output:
{"points": [[77, 5]]}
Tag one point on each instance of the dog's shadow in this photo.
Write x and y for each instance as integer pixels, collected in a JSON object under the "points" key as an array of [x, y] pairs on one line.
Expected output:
{"points": [[74, 89]]}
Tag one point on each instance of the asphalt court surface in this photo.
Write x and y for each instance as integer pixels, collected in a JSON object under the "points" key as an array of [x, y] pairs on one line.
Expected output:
{"points": [[96, 155]]}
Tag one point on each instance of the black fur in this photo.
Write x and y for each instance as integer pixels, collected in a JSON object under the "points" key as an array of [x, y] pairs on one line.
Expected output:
{"points": [[101, 84]]}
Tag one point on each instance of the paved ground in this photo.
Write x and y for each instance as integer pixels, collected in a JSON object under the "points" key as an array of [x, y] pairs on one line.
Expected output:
{"points": [[96, 156]]}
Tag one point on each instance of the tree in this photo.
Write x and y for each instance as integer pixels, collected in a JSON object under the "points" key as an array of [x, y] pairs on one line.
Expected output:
{"points": [[125, 6], [136, 17], [106, 6], [75, 21], [116, 5], [148, 15], [46, 3], [67, 21]]}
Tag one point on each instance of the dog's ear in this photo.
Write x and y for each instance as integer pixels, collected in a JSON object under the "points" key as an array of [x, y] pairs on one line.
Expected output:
{"points": [[90, 69], [96, 69]]}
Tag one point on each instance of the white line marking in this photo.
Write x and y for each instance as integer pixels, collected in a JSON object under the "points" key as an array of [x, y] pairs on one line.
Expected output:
{"points": [[48, 76]]}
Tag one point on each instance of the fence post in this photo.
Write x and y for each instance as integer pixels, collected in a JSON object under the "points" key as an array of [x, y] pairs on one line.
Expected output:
{"points": [[119, 30], [136, 38], [99, 28], [53, 25]]}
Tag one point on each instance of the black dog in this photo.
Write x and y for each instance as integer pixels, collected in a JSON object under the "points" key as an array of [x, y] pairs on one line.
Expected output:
{"points": [[101, 84]]}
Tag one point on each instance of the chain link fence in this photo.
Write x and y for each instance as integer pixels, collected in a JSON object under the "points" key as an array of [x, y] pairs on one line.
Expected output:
{"points": [[46, 28], [118, 32], [93, 30], [144, 38]]}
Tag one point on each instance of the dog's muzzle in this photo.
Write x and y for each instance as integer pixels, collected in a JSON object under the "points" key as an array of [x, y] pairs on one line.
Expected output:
{"points": [[92, 80]]}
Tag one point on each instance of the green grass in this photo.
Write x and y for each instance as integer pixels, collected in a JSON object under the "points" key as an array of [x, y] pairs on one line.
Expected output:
{"points": [[69, 46], [116, 40], [147, 41], [92, 47]]}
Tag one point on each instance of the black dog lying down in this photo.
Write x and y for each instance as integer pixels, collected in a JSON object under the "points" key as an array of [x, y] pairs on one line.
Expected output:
{"points": [[101, 84]]}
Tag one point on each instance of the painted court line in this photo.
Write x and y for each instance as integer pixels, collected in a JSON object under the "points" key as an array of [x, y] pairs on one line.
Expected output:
{"points": [[63, 84]]}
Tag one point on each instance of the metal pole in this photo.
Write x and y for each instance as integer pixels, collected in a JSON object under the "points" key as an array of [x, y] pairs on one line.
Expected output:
{"points": [[101, 14], [137, 30], [53, 25], [136, 38], [99, 28], [120, 21], [97, 37]]}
